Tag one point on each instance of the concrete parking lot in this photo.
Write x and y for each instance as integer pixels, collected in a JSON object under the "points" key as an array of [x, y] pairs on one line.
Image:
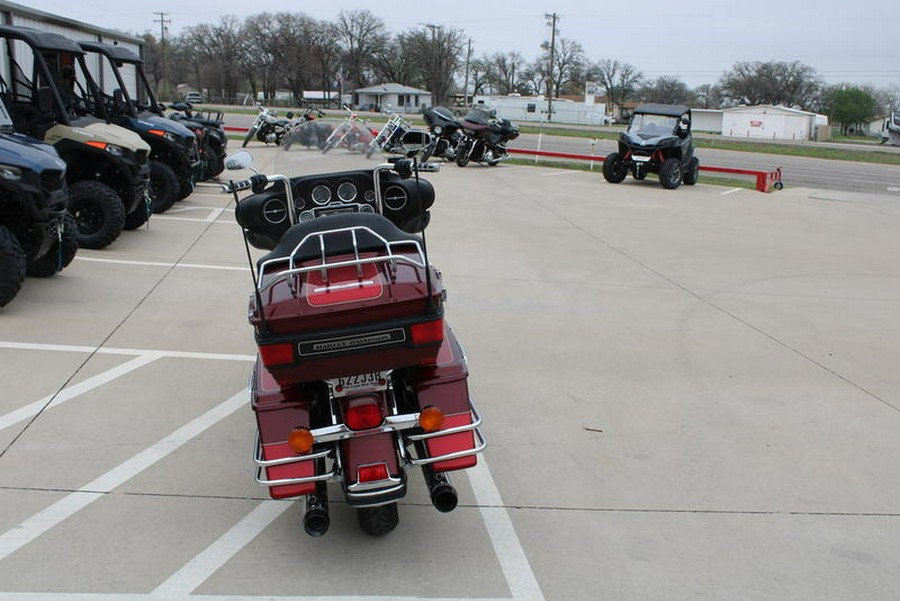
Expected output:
{"points": [[687, 394]]}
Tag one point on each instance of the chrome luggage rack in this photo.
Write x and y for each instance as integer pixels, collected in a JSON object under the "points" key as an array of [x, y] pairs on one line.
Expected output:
{"points": [[390, 252]]}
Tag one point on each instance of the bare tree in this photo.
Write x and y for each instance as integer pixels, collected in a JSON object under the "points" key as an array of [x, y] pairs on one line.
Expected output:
{"points": [[666, 90], [326, 56], [568, 63], [619, 80], [215, 52], [535, 75], [503, 71], [361, 36], [707, 96], [393, 63], [262, 53], [790, 84], [480, 75], [437, 53], [297, 37]]}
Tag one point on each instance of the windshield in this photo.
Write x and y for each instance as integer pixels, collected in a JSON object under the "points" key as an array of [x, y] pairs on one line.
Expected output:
{"points": [[652, 125], [113, 87]]}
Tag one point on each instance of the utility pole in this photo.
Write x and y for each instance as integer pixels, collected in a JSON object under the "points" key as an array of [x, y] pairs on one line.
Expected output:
{"points": [[466, 84], [163, 21], [434, 60], [551, 20]]}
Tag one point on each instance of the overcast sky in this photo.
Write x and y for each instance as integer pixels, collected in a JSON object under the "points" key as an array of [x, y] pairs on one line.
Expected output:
{"points": [[844, 40]]}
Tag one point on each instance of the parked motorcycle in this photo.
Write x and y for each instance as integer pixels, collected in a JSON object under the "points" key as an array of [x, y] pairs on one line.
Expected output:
{"points": [[485, 137], [268, 127], [354, 134], [446, 133], [359, 379], [390, 138], [308, 131]]}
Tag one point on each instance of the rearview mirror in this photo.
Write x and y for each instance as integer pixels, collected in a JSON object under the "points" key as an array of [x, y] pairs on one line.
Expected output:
{"points": [[242, 159]]}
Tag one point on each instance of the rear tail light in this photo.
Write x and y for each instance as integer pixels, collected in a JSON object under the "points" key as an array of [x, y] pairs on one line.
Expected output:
{"points": [[276, 354], [427, 332], [372, 473], [363, 414]]}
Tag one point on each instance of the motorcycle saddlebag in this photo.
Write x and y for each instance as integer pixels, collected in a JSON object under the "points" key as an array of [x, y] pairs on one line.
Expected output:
{"points": [[444, 385], [278, 412]]}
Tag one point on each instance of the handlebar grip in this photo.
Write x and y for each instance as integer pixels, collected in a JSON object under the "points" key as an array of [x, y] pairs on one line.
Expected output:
{"points": [[230, 187], [256, 182]]}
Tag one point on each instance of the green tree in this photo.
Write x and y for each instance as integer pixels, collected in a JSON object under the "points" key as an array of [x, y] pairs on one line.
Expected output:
{"points": [[851, 106]]}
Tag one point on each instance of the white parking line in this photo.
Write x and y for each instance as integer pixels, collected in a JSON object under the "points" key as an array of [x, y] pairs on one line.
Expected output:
{"points": [[516, 569], [162, 264], [147, 597], [731, 191], [66, 394], [71, 392], [112, 350], [19, 536], [200, 568], [507, 548], [514, 563]]}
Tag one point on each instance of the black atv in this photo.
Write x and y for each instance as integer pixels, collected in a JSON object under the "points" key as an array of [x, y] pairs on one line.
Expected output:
{"points": [[209, 127], [38, 237], [658, 141], [175, 162]]}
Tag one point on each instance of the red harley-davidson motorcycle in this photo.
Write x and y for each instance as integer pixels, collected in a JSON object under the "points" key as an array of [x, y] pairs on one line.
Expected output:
{"points": [[358, 379]]}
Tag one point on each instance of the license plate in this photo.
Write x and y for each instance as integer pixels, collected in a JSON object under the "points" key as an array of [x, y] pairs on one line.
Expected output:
{"points": [[358, 383]]}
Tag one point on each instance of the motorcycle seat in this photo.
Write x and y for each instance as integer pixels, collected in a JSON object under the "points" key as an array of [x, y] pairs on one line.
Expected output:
{"points": [[337, 243]]}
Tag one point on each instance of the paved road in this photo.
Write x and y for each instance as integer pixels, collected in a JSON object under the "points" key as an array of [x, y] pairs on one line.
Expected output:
{"points": [[797, 171], [687, 395]]}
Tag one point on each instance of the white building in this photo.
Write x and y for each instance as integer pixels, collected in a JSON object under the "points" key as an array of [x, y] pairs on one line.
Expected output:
{"points": [[534, 108], [706, 120], [771, 122], [392, 97], [18, 15]]}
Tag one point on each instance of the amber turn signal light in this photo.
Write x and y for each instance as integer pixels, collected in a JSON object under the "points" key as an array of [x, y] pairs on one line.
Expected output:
{"points": [[300, 440], [431, 419]]}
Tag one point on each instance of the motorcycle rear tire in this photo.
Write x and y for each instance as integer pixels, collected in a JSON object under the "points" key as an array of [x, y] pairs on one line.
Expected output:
{"points": [[378, 521]]}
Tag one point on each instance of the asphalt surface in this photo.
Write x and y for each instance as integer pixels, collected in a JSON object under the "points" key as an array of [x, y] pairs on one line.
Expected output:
{"points": [[687, 394]]}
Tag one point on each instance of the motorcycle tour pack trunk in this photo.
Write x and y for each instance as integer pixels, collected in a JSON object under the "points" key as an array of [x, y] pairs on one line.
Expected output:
{"points": [[369, 306]]}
